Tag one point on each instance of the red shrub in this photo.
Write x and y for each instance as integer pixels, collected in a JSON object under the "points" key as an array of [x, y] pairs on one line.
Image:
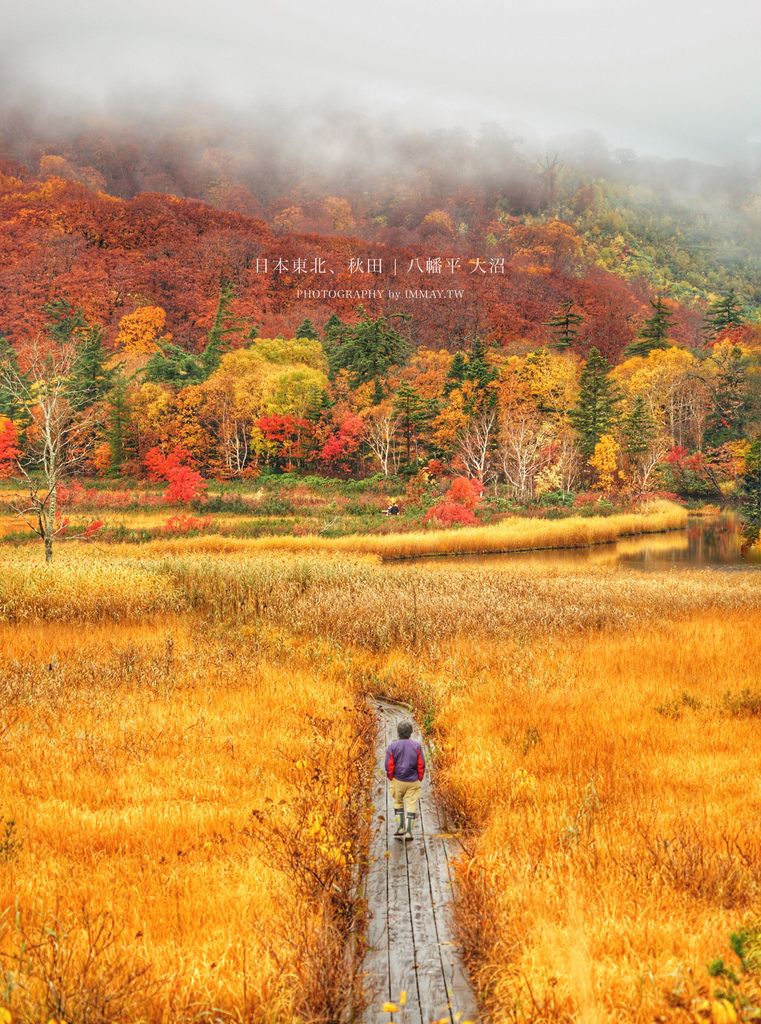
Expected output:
{"points": [[185, 484], [449, 513], [458, 506], [180, 524]]}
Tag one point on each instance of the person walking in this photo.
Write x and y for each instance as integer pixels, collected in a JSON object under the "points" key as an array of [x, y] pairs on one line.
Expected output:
{"points": [[405, 768]]}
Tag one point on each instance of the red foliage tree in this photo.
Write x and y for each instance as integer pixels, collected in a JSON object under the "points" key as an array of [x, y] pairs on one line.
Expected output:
{"points": [[458, 506], [9, 450], [185, 483], [159, 465], [340, 450], [285, 436]]}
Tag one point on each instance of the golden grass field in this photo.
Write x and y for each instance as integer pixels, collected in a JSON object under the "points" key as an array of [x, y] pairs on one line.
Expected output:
{"points": [[595, 734]]}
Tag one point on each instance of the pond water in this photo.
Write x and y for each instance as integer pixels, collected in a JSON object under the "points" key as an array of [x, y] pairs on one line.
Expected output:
{"points": [[708, 542]]}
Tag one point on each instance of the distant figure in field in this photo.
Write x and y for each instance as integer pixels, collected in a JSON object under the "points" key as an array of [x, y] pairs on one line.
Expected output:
{"points": [[392, 510], [405, 767]]}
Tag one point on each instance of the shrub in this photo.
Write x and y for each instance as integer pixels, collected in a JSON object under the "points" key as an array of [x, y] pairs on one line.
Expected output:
{"points": [[458, 506], [745, 704], [553, 499], [181, 524]]}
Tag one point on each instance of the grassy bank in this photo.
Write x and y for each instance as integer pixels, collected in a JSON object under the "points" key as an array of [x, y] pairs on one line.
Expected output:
{"points": [[510, 534]]}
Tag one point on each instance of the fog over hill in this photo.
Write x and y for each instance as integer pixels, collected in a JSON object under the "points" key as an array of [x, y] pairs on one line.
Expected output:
{"points": [[629, 120], [665, 77]]}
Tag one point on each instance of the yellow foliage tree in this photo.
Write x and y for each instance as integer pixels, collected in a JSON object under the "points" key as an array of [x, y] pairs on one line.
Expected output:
{"points": [[139, 332], [152, 409], [340, 213], [604, 461], [295, 391], [671, 382], [438, 222], [450, 422]]}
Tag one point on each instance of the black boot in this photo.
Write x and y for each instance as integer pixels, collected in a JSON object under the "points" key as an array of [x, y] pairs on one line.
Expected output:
{"points": [[399, 833], [410, 825]]}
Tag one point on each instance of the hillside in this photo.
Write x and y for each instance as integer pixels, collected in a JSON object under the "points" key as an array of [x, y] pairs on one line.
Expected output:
{"points": [[606, 244]]}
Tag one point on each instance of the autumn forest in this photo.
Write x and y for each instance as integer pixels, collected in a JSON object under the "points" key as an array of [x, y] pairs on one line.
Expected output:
{"points": [[584, 353]]}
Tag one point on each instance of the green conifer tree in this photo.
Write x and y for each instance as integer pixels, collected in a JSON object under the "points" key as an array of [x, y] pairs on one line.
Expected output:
{"points": [[655, 331], [225, 328], [118, 421], [414, 413], [367, 349], [307, 329], [595, 411], [478, 369], [565, 326], [455, 374], [91, 378], [724, 313], [173, 365], [638, 429]]}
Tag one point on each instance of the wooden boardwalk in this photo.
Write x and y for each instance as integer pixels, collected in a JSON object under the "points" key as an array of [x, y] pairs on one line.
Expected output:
{"points": [[410, 893]]}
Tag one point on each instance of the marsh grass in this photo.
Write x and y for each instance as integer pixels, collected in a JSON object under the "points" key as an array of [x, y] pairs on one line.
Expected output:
{"points": [[609, 858], [136, 758], [610, 849]]}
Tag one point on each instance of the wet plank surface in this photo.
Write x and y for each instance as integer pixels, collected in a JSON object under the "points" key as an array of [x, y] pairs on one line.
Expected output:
{"points": [[410, 897]]}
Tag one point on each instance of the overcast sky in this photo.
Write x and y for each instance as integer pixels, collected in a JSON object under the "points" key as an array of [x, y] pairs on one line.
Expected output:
{"points": [[671, 77]]}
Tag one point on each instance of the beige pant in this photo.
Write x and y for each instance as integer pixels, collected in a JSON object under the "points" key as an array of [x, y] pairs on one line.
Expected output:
{"points": [[405, 795]]}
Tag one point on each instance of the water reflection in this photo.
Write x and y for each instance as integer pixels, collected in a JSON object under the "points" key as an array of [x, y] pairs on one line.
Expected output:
{"points": [[708, 541]]}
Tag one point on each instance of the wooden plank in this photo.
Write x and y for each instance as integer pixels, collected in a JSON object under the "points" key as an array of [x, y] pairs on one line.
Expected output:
{"points": [[402, 975], [460, 993], [410, 894], [432, 987], [376, 966]]}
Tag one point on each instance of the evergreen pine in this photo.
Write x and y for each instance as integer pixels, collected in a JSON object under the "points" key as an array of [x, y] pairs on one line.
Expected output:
{"points": [[595, 411], [481, 373], [414, 411], [456, 374], [225, 327], [478, 369], [367, 349], [307, 329], [724, 313], [118, 419], [173, 365], [655, 331], [332, 326], [638, 430], [90, 379], [565, 325]]}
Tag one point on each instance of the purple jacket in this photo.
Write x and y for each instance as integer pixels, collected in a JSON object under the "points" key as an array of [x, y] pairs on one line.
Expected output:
{"points": [[405, 761]]}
